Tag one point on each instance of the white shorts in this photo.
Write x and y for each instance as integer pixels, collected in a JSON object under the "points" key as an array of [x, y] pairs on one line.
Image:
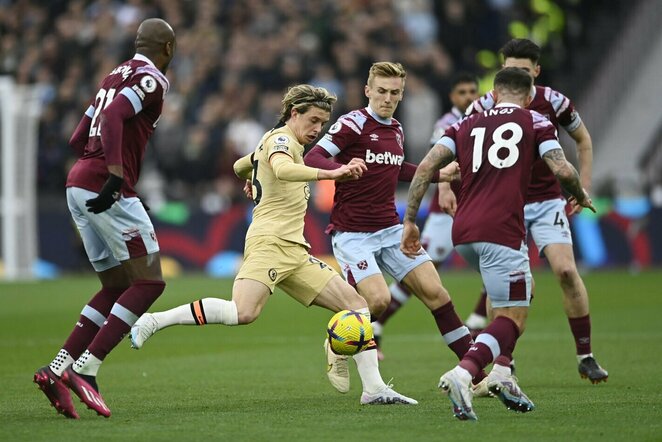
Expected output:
{"points": [[506, 273], [365, 254], [547, 223], [436, 237], [122, 232]]}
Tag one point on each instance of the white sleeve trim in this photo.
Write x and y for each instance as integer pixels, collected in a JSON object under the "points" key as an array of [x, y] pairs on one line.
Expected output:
{"points": [[131, 95], [447, 142], [548, 145], [90, 111], [329, 146]]}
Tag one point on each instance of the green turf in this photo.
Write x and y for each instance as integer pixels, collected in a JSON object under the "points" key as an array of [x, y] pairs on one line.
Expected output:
{"points": [[266, 381]]}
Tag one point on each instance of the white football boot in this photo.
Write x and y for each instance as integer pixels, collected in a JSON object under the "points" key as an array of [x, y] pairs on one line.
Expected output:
{"points": [[337, 369], [455, 384], [388, 396], [142, 330], [504, 386]]}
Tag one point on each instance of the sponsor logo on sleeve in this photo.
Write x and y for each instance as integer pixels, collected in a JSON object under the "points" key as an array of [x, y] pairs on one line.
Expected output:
{"points": [[138, 92], [280, 148], [282, 139], [148, 84]]}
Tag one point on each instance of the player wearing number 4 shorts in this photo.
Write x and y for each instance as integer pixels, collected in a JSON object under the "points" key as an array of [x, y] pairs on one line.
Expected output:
{"points": [[544, 213], [496, 150]]}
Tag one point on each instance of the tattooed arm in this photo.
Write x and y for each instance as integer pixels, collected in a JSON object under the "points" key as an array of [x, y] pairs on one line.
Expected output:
{"points": [[567, 176], [437, 157]]}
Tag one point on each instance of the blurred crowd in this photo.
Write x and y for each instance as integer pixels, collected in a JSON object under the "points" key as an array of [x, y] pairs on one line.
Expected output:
{"points": [[235, 58]]}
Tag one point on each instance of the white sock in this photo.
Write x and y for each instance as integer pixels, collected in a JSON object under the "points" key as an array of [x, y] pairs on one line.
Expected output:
{"points": [[203, 311], [368, 366], [377, 328], [398, 294], [501, 369], [475, 321], [87, 364], [61, 362], [582, 357]]}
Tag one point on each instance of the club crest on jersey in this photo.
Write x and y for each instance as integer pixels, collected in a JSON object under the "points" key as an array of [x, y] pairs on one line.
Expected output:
{"points": [[148, 83], [282, 139], [398, 139], [335, 128]]}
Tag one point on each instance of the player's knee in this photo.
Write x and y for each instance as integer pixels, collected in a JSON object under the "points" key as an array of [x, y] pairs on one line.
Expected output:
{"points": [[566, 273], [378, 304], [247, 316]]}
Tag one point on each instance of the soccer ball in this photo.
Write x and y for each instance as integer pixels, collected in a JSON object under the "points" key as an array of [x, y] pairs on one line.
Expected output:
{"points": [[349, 332]]}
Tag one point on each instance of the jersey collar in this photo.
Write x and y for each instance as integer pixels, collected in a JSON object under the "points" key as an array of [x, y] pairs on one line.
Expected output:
{"points": [[141, 57], [387, 121], [508, 105]]}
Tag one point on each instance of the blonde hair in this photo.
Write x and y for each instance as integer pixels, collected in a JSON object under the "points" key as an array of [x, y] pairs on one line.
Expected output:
{"points": [[386, 69], [302, 97]]}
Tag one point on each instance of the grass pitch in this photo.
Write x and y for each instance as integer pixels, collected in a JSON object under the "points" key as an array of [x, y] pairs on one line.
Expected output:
{"points": [[267, 381]]}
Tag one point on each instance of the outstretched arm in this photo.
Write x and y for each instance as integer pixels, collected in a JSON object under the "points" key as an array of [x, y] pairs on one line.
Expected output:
{"points": [[436, 158], [439, 155], [567, 176]]}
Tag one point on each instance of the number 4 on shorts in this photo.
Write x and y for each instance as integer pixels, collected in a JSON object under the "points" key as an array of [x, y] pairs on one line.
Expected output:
{"points": [[559, 220]]}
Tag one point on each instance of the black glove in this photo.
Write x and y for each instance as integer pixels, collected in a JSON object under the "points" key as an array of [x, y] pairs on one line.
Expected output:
{"points": [[110, 192]]}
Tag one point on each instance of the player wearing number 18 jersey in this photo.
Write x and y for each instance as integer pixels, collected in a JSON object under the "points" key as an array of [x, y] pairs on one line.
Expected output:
{"points": [[544, 213], [496, 150]]}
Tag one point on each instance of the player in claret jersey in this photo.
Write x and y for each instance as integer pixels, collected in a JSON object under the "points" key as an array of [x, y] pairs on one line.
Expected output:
{"points": [[436, 235], [365, 226], [113, 223], [496, 150], [544, 213]]}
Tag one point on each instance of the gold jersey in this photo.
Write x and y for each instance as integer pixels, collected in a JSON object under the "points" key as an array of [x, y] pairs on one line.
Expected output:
{"points": [[280, 206]]}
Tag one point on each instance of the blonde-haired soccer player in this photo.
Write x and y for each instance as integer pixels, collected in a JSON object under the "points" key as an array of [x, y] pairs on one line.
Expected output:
{"points": [[276, 252]]}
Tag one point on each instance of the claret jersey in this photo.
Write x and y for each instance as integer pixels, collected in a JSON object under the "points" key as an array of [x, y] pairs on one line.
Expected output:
{"points": [[367, 204], [496, 150], [558, 109], [145, 87]]}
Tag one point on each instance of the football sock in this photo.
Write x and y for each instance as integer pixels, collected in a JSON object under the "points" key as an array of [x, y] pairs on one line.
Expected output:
{"points": [[134, 302], [87, 364], [368, 365], [399, 295], [90, 321], [581, 330], [61, 362], [499, 337], [481, 305], [450, 326], [200, 312]]}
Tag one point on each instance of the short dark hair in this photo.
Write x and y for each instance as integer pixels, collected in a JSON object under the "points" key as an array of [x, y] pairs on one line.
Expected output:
{"points": [[521, 48], [463, 77], [513, 80]]}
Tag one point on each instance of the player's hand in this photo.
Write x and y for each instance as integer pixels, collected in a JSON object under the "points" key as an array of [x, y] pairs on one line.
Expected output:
{"points": [[450, 172], [577, 206], [110, 192], [448, 202], [248, 189], [410, 244], [344, 173], [358, 166]]}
